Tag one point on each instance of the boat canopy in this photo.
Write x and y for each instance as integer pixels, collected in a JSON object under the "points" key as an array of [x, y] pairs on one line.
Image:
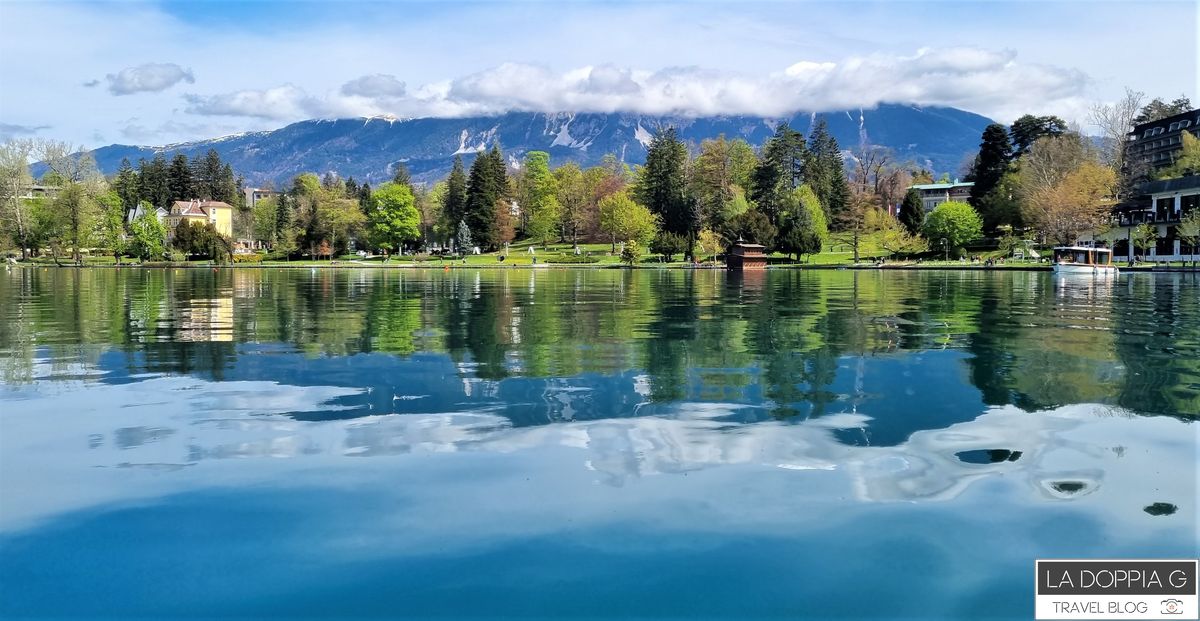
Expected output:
{"points": [[1083, 255]]}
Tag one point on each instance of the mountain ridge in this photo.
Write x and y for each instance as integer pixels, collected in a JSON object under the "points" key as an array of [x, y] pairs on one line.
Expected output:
{"points": [[367, 148]]}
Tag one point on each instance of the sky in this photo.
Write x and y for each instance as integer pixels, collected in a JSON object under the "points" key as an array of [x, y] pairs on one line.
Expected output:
{"points": [[155, 73]]}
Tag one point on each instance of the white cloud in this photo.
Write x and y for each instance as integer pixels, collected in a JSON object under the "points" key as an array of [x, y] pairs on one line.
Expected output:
{"points": [[969, 78], [147, 78], [280, 103]]}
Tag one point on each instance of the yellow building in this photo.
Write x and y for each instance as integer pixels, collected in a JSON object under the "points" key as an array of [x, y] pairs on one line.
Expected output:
{"points": [[218, 213]]}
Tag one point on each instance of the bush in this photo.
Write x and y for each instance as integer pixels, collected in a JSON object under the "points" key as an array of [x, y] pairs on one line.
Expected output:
{"points": [[668, 245], [248, 258], [177, 256]]}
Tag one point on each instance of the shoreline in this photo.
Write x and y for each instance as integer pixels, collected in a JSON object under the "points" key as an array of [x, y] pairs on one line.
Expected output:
{"points": [[540, 266]]}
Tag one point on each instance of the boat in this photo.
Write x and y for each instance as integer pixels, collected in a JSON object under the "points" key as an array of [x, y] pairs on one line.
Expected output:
{"points": [[1084, 260]]}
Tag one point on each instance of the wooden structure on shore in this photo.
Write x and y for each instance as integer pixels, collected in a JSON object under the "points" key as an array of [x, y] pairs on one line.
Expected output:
{"points": [[746, 257]]}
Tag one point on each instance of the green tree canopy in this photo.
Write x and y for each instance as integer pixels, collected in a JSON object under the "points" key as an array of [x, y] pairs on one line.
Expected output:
{"points": [[393, 218], [954, 221]]}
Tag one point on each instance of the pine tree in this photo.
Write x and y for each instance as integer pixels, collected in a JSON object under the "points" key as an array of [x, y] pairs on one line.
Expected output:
{"points": [[487, 183], [1027, 129], [401, 176], [912, 212], [126, 185], [995, 152], [153, 181], [206, 175], [179, 178], [826, 172], [454, 206], [780, 170], [663, 187]]}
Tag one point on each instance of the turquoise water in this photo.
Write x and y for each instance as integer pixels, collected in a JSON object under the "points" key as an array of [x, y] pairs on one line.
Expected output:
{"points": [[584, 443]]}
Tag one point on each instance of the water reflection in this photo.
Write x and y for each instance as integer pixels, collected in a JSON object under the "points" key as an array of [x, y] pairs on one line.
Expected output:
{"points": [[514, 433]]}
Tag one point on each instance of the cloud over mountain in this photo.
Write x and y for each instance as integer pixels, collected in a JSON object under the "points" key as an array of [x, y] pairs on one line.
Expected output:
{"points": [[147, 78], [964, 77]]}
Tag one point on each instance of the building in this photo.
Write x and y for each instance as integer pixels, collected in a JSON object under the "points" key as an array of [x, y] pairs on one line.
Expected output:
{"points": [[747, 257], [934, 194], [1160, 203], [138, 211], [1156, 144], [35, 190], [217, 213], [253, 195]]}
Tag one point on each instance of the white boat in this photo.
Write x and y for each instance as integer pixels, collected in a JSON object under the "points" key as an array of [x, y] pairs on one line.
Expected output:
{"points": [[1084, 260]]}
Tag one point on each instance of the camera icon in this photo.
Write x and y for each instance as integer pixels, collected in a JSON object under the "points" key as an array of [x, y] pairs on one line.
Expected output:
{"points": [[1172, 607]]}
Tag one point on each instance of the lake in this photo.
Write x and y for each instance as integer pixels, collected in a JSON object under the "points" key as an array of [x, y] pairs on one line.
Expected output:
{"points": [[586, 444]]}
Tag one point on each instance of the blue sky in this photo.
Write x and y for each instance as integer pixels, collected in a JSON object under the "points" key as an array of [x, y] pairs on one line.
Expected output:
{"points": [[155, 73]]}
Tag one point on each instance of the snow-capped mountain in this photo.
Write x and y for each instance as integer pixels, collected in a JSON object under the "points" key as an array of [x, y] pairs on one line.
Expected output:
{"points": [[368, 148]]}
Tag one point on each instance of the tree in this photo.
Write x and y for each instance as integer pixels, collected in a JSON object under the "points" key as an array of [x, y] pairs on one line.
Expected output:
{"points": [[126, 185], [912, 212], [853, 220], [710, 243], [207, 177], [668, 245], [721, 166], [401, 176], [1188, 233], [826, 172], [663, 186], [1188, 160], [990, 166], [77, 210], [955, 222], [487, 184], [110, 229], [1028, 129], [146, 235], [1050, 159], [338, 219], [538, 197], [624, 219], [631, 253], [1077, 203], [894, 236], [265, 216], [803, 229], [572, 196], [1143, 237], [393, 218], [152, 177], [781, 168], [1114, 122], [752, 226], [462, 238], [16, 213], [179, 179], [454, 205], [1157, 110]]}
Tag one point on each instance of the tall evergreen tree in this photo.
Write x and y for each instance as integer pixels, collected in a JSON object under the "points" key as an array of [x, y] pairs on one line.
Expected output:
{"points": [[454, 205], [995, 152], [153, 179], [206, 175], [826, 171], [912, 212], [401, 176], [487, 184], [780, 169], [126, 185], [663, 187], [1027, 129], [179, 178]]}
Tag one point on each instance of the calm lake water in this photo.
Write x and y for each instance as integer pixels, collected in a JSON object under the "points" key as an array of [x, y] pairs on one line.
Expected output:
{"points": [[584, 444]]}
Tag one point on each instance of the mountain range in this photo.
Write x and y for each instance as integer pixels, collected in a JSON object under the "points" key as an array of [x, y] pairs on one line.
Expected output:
{"points": [[935, 138]]}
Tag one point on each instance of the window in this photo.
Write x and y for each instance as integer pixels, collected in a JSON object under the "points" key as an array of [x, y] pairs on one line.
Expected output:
{"points": [[1149, 132], [1173, 127], [1185, 124]]}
